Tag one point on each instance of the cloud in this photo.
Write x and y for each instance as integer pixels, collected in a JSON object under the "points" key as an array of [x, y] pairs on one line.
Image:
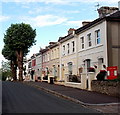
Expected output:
{"points": [[70, 11], [76, 24], [40, 9], [62, 1], [44, 20], [4, 18]]}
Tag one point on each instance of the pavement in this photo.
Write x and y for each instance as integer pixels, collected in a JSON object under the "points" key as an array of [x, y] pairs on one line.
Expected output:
{"points": [[101, 102]]}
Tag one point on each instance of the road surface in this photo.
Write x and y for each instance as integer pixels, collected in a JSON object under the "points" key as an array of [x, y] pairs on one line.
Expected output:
{"points": [[20, 98], [0, 97]]}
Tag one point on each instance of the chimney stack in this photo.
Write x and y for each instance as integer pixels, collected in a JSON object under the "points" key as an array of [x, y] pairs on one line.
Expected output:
{"points": [[71, 31], [85, 23], [52, 43], [105, 10]]}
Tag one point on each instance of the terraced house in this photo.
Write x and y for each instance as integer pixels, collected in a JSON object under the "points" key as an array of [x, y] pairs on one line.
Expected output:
{"points": [[98, 40], [96, 44], [68, 50]]}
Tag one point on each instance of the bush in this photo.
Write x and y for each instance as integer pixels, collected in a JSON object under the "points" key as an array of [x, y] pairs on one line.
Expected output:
{"points": [[101, 75], [91, 69], [55, 78], [73, 78], [45, 77]]}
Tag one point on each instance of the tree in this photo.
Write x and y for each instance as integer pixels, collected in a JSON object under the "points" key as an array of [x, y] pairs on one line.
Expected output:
{"points": [[19, 38], [10, 55], [5, 71]]}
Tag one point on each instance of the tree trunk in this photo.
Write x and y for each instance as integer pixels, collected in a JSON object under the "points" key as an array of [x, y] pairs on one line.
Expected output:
{"points": [[20, 64], [13, 68]]}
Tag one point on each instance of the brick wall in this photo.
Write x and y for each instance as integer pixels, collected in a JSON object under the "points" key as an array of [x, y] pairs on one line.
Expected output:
{"points": [[106, 87]]}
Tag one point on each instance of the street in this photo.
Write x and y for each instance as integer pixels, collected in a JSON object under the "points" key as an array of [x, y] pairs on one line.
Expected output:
{"points": [[0, 97], [20, 98]]}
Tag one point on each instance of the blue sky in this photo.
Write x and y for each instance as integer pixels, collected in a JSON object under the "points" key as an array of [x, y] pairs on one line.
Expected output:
{"points": [[50, 18]]}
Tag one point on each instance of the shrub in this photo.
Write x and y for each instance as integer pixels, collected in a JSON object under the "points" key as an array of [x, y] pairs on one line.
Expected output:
{"points": [[45, 77], [101, 75], [73, 78], [91, 69]]}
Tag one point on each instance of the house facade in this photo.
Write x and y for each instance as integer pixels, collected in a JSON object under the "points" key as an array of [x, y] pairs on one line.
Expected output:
{"points": [[68, 57], [38, 68], [54, 65], [92, 46], [95, 44], [113, 40], [45, 63]]}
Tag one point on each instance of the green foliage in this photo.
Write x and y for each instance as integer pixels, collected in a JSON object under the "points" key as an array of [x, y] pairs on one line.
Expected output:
{"points": [[18, 39], [74, 78], [6, 74], [8, 53], [5, 71], [20, 36], [5, 66]]}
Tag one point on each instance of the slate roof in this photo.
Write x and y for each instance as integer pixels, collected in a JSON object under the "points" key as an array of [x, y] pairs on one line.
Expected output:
{"points": [[112, 17]]}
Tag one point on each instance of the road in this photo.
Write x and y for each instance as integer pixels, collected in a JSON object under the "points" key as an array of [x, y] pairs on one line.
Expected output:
{"points": [[20, 98], [0, 97]]}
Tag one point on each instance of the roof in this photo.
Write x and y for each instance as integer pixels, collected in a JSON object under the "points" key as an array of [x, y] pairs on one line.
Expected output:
{"points": [[115, 15], [49, 47], [111, 17], [63, 39], [53, 45], [44, 50]]}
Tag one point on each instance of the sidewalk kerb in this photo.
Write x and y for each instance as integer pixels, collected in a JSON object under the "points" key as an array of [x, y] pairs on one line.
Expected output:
{"points": [[69, 98]]}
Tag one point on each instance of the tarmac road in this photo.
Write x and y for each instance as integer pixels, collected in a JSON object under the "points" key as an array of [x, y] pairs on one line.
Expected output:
{"points": [[0, 97], [20, 98]]}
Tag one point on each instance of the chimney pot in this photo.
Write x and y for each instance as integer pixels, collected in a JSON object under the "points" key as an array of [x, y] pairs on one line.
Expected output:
{"points": [[105, 10]]}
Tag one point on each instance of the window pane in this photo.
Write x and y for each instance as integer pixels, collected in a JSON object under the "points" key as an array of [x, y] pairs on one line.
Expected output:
{"points": [[98, 36], [89, 40], [82, 46], [98, 41], [90, 44], [82, 40]]}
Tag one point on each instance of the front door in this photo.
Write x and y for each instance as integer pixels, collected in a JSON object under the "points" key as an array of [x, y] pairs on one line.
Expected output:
{"points": [[70, 68]]}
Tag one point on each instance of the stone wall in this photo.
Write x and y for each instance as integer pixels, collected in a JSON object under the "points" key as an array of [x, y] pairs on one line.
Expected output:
{"points": [[106, 87]]}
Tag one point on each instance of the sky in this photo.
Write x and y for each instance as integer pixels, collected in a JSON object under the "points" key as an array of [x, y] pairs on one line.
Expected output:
{"points": [[51, 18]]}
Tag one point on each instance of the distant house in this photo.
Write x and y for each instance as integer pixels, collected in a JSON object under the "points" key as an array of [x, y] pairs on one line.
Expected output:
{"points": [[54, 63], [45, 62]]}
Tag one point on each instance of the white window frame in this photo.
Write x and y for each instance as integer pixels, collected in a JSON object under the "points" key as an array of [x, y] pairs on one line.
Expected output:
{"points": [[73, 46], [89, 38], [97, 37], [68, 46], [82, 41], [63, 50]]}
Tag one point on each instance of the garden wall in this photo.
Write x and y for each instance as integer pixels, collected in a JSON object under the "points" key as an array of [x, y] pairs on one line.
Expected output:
{"points": [[107, 87]]}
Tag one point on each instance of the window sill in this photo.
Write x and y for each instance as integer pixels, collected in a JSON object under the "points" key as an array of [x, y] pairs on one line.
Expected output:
{"points": [[69, 54], [89, 48]]}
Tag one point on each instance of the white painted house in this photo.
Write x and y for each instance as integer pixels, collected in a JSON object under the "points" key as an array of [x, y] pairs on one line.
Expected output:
{"points": [[94, 40]]}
